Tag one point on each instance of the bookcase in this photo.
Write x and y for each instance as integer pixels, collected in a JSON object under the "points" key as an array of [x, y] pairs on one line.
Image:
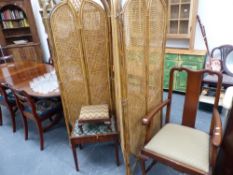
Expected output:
{"points": [[182, 20], [18, 32]]}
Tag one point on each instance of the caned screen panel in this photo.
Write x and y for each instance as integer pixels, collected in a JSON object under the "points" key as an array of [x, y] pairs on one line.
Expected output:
{"points": [[95, 38], [134, 22], [68, 60], [157, 32]]}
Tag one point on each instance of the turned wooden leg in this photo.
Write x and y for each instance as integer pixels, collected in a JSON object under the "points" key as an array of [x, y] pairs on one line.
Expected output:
{"points": [[80, 127], [0, 116], [40, 130], [75, 156], [143, 166], [117, 153], [13, 119]]}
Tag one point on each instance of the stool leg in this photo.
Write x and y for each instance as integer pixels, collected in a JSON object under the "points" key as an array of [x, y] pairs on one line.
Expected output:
{"points": [[117, 153], [75, 156], [80, 127]]}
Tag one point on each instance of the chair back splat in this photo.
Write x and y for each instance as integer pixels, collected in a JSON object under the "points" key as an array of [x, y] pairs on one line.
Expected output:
{"points": [[194, 80]]}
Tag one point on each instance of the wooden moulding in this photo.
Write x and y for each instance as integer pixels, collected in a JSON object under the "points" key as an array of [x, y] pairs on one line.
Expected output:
{"points": [[186, 52], [138, 30], [82, 55]]}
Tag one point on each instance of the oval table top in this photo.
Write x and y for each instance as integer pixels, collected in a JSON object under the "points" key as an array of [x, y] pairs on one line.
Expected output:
{"points": [[20, 74]]}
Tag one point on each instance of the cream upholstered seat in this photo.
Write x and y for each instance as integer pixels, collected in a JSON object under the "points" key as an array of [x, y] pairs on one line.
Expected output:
{"points": [[94, 112], [182, 144]]}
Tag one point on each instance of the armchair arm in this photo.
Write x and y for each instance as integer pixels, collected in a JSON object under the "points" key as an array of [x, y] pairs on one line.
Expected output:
{"points": [[216, 136], [147, 118], [217, 129]]}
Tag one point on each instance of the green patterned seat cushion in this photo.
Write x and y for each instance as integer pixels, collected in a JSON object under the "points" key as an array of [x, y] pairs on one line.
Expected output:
{"points": [[45, 106], [10, 96], [90, 129]]}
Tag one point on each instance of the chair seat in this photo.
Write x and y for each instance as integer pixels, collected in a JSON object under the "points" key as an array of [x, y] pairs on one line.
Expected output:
{"points": [[182, 144], [90, 129], [45, 106], [94, 113], [10, 96]]}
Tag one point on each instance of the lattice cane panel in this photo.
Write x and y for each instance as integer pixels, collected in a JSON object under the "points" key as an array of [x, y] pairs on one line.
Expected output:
{"points": [[68, 61], [157, 31], [134, 30], [95, 37]]}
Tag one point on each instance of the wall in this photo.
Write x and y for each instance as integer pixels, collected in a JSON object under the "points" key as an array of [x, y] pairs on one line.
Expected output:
{"points": [[41, 29], [216, 16]]}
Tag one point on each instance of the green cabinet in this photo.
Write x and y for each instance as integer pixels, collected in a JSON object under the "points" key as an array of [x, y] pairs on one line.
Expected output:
{"points": [[194, 62]]}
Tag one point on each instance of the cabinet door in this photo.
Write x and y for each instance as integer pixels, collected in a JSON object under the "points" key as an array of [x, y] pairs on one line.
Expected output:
{"points": [[171, 60], [25, 53], [181, 78]]}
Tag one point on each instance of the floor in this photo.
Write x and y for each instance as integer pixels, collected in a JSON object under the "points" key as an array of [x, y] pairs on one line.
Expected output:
{"points": [[24, 157]]}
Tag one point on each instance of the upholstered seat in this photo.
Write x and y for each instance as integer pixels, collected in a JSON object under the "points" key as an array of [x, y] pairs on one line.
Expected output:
{"points": [[90, 129], [10, 96], [45, 107], [182, 144], [94, 112]]}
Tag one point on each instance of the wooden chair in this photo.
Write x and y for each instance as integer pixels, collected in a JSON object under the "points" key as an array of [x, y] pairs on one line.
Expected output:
{"points": [[7, 99], [38, 111], [221, 52], [92, 133], [182, 146]]}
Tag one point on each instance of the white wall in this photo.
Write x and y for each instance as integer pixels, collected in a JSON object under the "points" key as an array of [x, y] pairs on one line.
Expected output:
{"points": [[41, 30], [217, 17]]}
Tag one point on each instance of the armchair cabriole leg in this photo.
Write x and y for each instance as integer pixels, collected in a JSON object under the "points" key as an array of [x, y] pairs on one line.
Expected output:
{"points": [[12, 114], [25, 123], [0, 116], [143, 166], [40, 130]]}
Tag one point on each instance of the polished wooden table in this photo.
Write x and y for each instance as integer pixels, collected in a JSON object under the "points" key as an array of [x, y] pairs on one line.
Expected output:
{"points": [[19, 75]]}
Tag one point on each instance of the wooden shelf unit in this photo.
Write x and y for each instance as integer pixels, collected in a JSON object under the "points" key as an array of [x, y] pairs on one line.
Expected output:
{"points": [[182, 20], [17, 23]]}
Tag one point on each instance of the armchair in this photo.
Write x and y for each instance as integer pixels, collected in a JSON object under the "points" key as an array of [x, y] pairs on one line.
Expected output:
{"points": [[182, 146], [7, 99], [38, 111]]}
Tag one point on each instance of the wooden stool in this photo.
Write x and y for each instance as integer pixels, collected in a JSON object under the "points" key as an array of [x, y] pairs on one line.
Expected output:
{"points": [[94, 114]]}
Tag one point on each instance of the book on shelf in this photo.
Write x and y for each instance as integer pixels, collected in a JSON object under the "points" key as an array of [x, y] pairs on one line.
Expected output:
{"points": [[12, 14], [15, 24]]}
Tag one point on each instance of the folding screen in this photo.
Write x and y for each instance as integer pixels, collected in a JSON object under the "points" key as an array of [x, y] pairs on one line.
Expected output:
{"points": [[80, 33], [82, 49], [138, 30]]}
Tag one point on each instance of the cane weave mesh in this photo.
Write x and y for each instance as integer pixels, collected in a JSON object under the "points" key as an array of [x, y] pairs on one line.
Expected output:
{"points": [[96, 51], [141, 26], [68, 60], [157, 27], [81, 40], [134, 30]]}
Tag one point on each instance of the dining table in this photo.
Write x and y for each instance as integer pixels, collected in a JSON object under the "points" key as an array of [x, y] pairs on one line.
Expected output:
{"points": [[20, 74]]}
